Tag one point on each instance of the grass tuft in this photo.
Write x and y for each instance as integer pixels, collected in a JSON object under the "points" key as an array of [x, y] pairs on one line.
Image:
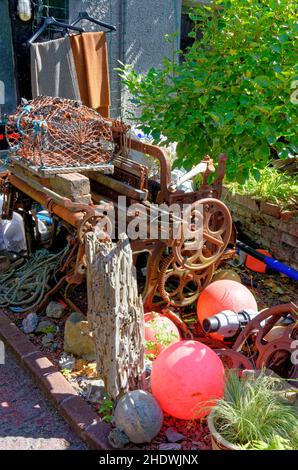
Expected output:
{"points": [[272, 186], [252, 412]]}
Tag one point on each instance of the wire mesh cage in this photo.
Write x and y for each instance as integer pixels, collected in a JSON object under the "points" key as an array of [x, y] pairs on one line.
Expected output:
{"points": [[50, 134]]}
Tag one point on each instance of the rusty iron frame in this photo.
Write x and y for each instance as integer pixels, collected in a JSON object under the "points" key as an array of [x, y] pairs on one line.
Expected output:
{"points": [[83, 217]]}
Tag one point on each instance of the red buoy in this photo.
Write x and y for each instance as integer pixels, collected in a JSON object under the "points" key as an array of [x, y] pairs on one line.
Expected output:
{"points": [[224, 295], [187, 379], [160, 332]]}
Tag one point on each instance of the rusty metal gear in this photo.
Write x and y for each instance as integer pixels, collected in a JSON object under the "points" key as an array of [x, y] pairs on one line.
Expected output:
{"points": [[211, 220], [90, 223], [233, 359], [179, 286], [275, 354]]}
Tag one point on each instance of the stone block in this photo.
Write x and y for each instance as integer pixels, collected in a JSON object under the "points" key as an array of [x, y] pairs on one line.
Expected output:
{"points": [[290, 227], [270, 209], [55, 310], [77, 337], [289, 239], [270, 235], [74, 186], [280, 251]]}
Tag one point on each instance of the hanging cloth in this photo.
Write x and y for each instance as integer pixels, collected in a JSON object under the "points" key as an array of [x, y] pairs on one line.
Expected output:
{"points": [[53, 71], [90, 54]]}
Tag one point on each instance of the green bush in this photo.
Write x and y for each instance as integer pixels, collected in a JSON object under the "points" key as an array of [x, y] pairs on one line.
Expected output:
{"points": [[233, 91]]}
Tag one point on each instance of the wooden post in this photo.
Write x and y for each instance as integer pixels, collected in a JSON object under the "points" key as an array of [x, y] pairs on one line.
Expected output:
{"points": [[115, 313]]}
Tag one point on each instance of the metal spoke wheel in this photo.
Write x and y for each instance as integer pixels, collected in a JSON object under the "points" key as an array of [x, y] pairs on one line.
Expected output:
{"points": [[206, 233], [274, 354], [100, 224], [179, 286]]}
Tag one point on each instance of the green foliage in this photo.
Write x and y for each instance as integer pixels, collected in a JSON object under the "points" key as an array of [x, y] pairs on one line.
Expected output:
{"points": [[152, 350], [277, 443], [232, 93], [48, 329], [66, 372], [252, 415], [105, 409], [272, 186]]}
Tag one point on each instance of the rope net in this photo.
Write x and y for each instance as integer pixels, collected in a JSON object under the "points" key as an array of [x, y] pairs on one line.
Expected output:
{"points": [[54, 133]]}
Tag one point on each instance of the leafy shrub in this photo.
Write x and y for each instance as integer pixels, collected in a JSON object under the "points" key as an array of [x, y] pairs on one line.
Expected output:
{"points": [[232, 93]]}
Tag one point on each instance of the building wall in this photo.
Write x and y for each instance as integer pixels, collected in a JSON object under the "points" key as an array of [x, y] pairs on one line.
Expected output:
{"points": [[139, 39], [6, 59]]}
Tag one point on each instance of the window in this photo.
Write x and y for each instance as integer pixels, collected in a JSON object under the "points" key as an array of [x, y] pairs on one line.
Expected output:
{"points": [[187, 24]]}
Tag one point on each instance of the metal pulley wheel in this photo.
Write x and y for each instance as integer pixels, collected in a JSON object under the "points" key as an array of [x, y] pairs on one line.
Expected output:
{"points": [[179, 286], [207, 229]]}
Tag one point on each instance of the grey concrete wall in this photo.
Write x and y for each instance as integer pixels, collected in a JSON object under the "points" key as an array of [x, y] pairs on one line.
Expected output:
{"points": [[6, 59], [139, 40]]}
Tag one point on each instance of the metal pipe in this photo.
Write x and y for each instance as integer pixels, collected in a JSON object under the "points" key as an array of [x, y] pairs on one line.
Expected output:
{"points": [[73, 218]]}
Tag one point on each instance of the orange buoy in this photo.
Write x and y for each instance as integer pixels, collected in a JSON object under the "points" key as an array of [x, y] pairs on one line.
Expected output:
{"points": [[187, 379], [255, 264], [224, 295], [160, 332]]}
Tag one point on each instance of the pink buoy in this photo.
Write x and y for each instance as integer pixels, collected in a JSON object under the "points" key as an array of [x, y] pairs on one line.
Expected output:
{"points": [[224, 295], [187, 379], [160, 332]]}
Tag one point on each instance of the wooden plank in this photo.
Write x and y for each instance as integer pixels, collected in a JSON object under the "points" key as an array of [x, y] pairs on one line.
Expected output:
{"points": [[115, 313], [118, 186]]}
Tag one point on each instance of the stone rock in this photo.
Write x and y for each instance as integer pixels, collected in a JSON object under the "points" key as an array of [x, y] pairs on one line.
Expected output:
{"points": [[148, 370], [117, 438], [170, 446], [46, 326], [54, 347], [173, 436], [67, 361], [96, 392], [201, 446], [47, 340], [139, 415], [77, 337], [55, 310], [30, 323]]}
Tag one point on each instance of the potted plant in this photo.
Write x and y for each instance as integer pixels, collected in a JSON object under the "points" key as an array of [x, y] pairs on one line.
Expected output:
{"points": [[253, 414]]}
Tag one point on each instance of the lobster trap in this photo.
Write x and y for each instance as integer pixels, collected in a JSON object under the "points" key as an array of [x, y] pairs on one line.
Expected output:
{"points": [[51, 135]]}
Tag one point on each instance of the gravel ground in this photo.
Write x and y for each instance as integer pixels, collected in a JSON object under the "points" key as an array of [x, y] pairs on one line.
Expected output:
{"points": [[27, 419]]}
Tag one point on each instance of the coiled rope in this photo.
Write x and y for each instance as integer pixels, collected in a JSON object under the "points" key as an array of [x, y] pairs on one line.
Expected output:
{"points": [[25, 286]]}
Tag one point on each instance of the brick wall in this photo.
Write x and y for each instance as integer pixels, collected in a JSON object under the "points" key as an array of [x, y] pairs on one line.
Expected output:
{"points": [[267, 225]]}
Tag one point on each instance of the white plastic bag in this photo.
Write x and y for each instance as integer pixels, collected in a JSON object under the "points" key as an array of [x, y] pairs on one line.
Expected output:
{"points": [[12, 232]]}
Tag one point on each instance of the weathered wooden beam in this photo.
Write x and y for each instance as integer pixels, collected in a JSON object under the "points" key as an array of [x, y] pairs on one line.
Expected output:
{"points": [[115, 313], [119, 186]]}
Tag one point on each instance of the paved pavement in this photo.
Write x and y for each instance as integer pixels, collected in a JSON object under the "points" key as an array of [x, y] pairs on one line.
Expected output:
{"points": [[27, 420]]}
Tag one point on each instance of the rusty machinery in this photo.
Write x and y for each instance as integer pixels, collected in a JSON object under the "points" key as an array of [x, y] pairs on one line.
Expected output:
{"points": [[53, 136]]}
